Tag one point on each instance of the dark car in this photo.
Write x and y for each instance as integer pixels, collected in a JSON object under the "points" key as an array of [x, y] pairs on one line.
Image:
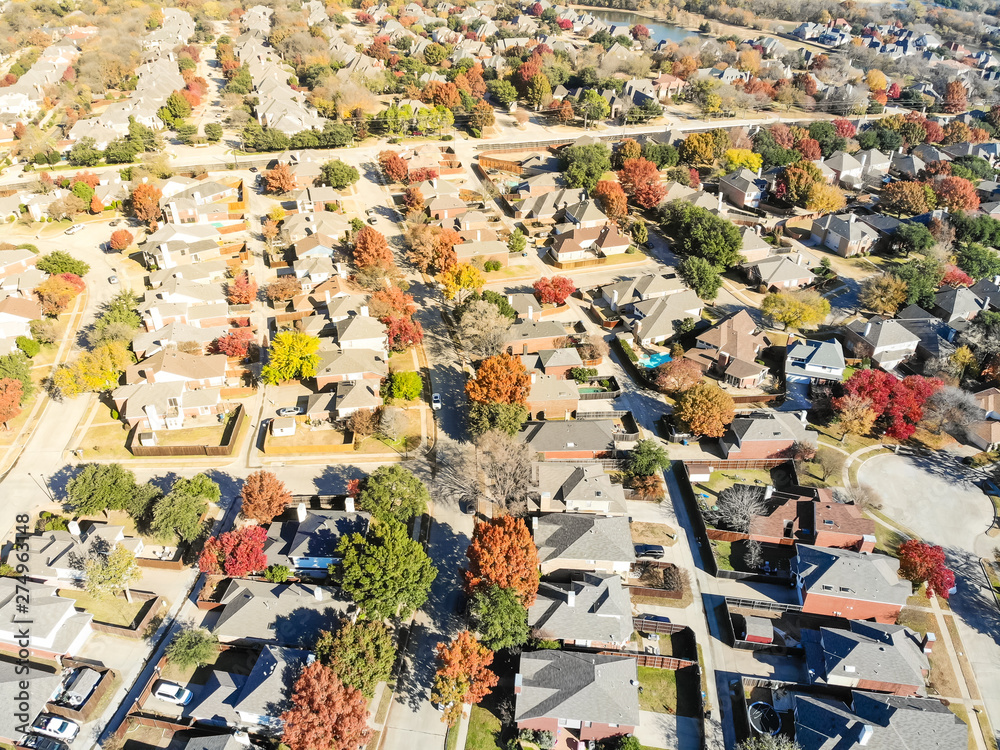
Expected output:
{"points": [[37, 742], [253, 169], [468, 507], [654, 551]]}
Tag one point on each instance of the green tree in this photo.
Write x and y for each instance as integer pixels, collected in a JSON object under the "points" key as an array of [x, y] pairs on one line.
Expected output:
{"points": [[508, 418], [701, 276], [584, 165], [394, 492], [405, 385], [58, 262], [922, 277], [502, 91], [361, 653], [178, 106], [192, 646], [517, 242], [640, 233], [647, 458], [913, 237], [107, 574], [16, 366], [434, 54], [292, 355], [339, 175], [84, 153], [593, 106], [179, 512], [500, 617], [978, 261], [699, 232], [213, 131], [99, 488], [387, 574]]}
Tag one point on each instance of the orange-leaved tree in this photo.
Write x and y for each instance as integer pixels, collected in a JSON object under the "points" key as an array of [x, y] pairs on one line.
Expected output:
{"points": [[502, 553], [264, 497], [371, 249], [501, 379], [464, 675], [326, 714]]}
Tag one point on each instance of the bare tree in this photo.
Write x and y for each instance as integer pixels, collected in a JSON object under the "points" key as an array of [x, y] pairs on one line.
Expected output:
{"points": [[753, 557], [862, 496], [739, 504], [457, 473], [392, 424], [483, 328], [507, 466], [952, 407], [830, 462]]}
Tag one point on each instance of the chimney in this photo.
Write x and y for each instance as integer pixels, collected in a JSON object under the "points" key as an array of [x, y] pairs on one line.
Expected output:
{"points": [[720, 200], [300, 512], [768, 491], [868, 329], [866, 734], [349, 504], [986, 302], [534, 523], [759, 170], [531, 310], [996, 280], [571, 598], [510, 299], [614, 299], [74, 528], [802, 417], [928, 643], [318, 593], [852, 219], [864, 161], [532, 377], [364, 310]]}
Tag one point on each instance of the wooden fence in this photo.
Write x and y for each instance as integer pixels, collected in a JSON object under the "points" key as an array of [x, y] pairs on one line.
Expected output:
{"points": [[764, 398], [228, 445], [654, 661], [137, 628], [488, 162], [654, 593], [86, 711], [645, 625], [683, 477], [733, 463]]}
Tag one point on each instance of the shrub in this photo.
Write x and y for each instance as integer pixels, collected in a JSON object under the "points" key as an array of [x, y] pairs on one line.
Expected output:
{"points": [[277, 574], [405, 385], [29, 346], [492, 265], [627, 349]]}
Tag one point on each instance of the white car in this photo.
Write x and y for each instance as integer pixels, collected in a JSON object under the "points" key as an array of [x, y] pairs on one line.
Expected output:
{"points": [[436, 401], [170, 692], [56, 727], [74, 229]]}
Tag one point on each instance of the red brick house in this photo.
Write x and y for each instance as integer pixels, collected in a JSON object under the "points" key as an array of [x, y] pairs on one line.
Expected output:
{"points": [[591, 438], [589, 696], [531, 336], [552, 397], [554, 362], [765, 434], [15, 261], [848, 584], [816, 520]]}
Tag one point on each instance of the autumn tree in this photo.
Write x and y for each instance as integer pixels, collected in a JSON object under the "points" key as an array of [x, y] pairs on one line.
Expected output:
{"points": [[390, 302], [825, 198], [236, 553], [906, 198], [464, 675], [242, 290], [501, 379], [121, 239], [855, 414], [291, 356], [10, 400], [920, 563], [955, 98], [279, 180], [393, 166], [502, 553], [461, 279], [326, 714], [883, 294], [805, 309], [372, 250], [145, 200], [360, 653], [236, 343], [402, 332], [612, 198], [414, 199], [264, 497], [555, 290], [56, 292], [705, 409], [283, 288], [677, 375], [956, 194], [640, 180]]}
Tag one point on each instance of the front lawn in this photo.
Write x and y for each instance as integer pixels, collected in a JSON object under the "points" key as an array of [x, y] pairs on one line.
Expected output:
{"points": [[484, 730], [110, 611]]}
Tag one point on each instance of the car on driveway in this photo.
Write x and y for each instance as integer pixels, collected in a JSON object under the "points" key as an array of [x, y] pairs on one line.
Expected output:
{"points": [[435, 401], [653, 551], [372, 220], [37, 742], [171, 692], [289, 411], [253, 169], [115, 223], [56, 727]]}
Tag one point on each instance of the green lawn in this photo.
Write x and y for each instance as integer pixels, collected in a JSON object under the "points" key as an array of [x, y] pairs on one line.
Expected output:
{"points": [[659, 690], [722, 480], [723, 551], [484, 730], [111, 611]]}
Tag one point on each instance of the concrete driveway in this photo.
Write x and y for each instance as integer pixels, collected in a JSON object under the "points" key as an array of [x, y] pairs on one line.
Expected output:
{"points": [[935, 496]]}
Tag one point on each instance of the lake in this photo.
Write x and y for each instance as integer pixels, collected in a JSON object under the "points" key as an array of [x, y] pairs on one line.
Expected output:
{"points": [[657, 31]]}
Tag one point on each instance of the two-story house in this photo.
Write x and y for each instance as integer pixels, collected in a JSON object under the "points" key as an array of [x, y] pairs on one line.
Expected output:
{"points": [[885, 341]]}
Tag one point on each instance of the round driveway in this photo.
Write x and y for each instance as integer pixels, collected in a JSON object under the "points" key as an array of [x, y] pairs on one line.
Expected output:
{"points": [[935, 496]]}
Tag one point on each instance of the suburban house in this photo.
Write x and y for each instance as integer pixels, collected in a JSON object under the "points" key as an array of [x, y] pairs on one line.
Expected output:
{"points": [[314, 246], [61, 555], [754, 248], [253, 702], [532, 336], [765, 434], [16, 260], [57, 628], [849, 584], [16, 314], [147, 343], [625, 294], [886, 341], [554, 362], [729, 350], [876, 720], [958, 306], [872, 656], [355, 395], [339, 365], [578, 488], [845, 235], [309, 543], [780, 272], [814, 362], [586, 438], [846, 169], [552, 397], [283, 614], [984, 434], [28, 686], [656, 319], [592, 611], [590, 695], [815, 519], [362, 332], [164, 406], [599, 241], [169, 366], [583, 542], [743, 188]]}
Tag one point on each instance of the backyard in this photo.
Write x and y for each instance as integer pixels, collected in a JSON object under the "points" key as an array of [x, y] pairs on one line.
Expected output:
{"points": [[110, 610], [669, 691]]}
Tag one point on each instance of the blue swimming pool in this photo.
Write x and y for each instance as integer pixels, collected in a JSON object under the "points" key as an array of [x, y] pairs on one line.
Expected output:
{"points": [[654, 360]]}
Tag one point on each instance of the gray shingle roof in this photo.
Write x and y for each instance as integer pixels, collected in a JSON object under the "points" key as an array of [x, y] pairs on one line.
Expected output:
{"points": [[285, 614], [581, 536], [884, 332], [816, 353], [576, 435], [868, 651], [600, 610], [851, 575], [317, 536], [584, 483]]}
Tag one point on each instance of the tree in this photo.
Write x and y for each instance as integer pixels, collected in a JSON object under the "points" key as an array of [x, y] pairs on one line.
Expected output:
{"points": [[84, 153], [236, 553], [955, 98], [413, 197], [371, 249], [825, 198], [640, 180], [677, 375], [705, 409], [10, 400], [500, 617], [883, 294], [640, 233], [855, 414], [804, 309], [460, 279], [482, 328], [612, 198], [213, 131], [242, 290], [107, 573], [700, 275], [491, 416], [506, 465], [517, 242], [584, 165], [697, 149], [283, 288], [554, 291], [402, 333], [502, 553], [360, 653], [263, 497], [913, 237], [99, 488], [56, 292], [647, 458], [956, 194], [279, 180], [464, 662], [907, 198], [394, 492], [769, 742], [145, 201], [121, 239], [236, 343], [978, 261], [699, 232], [922, 277], [739, 505], [925, 563], [502, 91], [387, 574], [394, 166], [593, 106], [179, 513], [500, 379], [406, 386], [16, 366], [742, 158], [390, 302], [58, 262], [339, 175], [192, 646], [326, 714], [291, 356]]}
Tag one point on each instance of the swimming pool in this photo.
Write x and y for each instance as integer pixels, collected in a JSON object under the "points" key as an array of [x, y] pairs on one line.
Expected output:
{"points": [[592, 389], [655, 360]]}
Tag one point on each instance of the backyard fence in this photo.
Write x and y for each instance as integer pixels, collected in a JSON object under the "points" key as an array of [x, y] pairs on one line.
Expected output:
{"points": [[226, 448], [654, 661], [683, 477]]}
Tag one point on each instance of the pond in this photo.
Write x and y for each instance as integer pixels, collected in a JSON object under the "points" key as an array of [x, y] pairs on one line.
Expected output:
{"points": [[658, 32]]}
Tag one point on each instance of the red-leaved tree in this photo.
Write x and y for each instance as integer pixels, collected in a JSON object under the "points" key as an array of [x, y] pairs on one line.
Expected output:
{"points": [[897, 404], [242, 290], [121, 239], [464, 675], [326, 714], [809, 148], [613, 200], [956, 194], [403, 333], [955, 276], [146, 202], [264, 497], [502, 553], [925, 563], [236, 343], [393, 166], [11, 391], [236, 553], [844, 128], [640, 180], [555, 290]]}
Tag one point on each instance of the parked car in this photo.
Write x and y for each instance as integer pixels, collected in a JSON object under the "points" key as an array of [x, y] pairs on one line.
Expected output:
{"points": [[74, 229], [372, 220], [171, 692], [37, 742], [253, 169], [56, 727], [289, 411], [115, 223], [112, 279], [369, 211], [654, 551], [435, 401]]}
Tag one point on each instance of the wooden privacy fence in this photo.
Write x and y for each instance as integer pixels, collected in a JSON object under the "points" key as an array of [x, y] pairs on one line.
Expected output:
{"points": [[655, 593], [733, 463], [136, 628], [646, 625], [764, 398], [229, 438], [654, 661]]}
